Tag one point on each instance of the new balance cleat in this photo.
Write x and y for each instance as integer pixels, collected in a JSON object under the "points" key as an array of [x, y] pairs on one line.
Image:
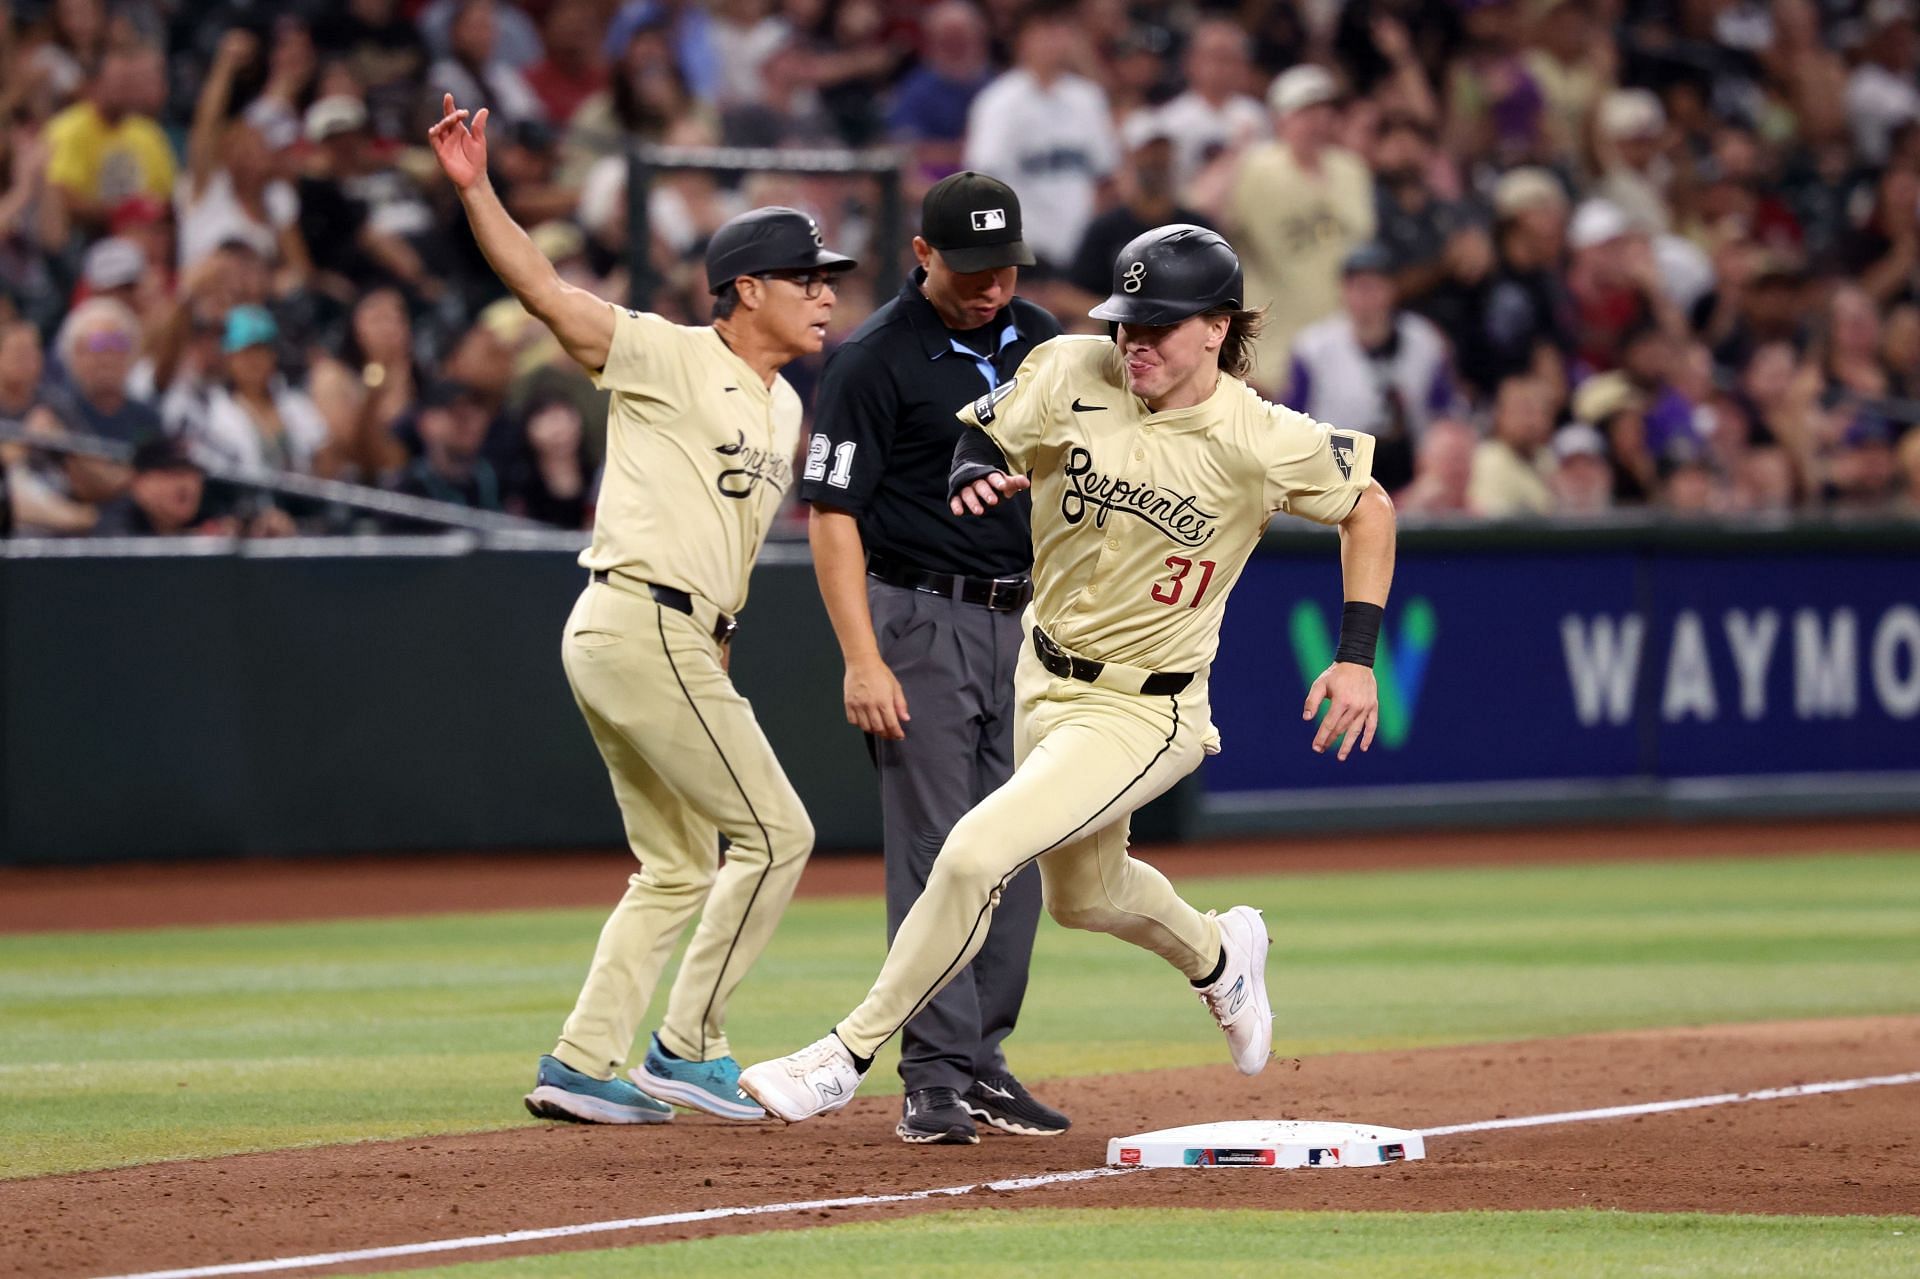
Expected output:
{"points": [[712, 1086], [561, 1092], [819, 1078], [1238, 997], [1004, 1102]]}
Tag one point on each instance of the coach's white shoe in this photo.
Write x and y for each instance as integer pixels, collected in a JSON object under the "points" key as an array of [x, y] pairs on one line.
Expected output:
{"points": [[1238, 997], [819, 1078]]}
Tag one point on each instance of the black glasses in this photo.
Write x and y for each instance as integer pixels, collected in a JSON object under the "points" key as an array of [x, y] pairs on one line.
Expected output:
{"points": [[810, 283]]}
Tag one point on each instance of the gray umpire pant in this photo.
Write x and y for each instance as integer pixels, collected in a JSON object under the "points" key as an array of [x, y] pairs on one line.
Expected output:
{"points": [[955, 664]]}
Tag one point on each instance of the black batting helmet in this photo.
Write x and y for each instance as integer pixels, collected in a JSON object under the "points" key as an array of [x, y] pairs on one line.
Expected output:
{"points": [[775, 238], [1171, 272]]}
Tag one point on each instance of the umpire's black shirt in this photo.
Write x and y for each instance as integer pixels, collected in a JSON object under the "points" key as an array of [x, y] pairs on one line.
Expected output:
{"points": [[884, 431]]}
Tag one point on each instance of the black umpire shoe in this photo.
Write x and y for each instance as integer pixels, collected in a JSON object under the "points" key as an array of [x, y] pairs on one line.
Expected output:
{"points": [[1007, 1105], [935, 1117]]}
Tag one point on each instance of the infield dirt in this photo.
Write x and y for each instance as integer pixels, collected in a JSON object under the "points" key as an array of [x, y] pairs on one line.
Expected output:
{"points": [[1835, 1154]]}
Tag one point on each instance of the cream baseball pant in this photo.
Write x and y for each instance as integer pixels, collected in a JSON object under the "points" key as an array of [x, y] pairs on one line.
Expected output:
{"points": [[1086, 756], [689, 764]]}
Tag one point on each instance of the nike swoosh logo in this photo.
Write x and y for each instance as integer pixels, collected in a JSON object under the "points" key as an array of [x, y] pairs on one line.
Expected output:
{"points": [[1078, 407], [729, 388]]}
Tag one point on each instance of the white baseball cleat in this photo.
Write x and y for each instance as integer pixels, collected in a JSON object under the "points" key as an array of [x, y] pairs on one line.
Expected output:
{"points": [[819, 1078], [1238, 997]]}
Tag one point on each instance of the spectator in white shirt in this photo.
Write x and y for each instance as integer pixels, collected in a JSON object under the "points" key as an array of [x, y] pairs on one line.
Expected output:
{"points": [[1882, 93], [255, 419], [745, 34], [1047, 133], [229, 191], [1374, 367], [1216, 113]]}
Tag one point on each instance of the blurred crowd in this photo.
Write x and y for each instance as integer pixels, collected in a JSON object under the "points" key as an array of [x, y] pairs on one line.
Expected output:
{"points": [[1559, 256]]}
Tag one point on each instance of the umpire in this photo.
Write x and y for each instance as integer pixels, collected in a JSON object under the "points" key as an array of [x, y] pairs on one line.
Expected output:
{"points": [[927, 613]]}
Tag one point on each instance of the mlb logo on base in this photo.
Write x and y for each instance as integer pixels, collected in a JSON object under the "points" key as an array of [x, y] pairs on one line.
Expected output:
{"points": [[989, 219]]}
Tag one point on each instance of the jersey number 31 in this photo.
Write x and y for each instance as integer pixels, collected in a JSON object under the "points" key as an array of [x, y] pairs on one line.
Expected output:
{"points": [[1168, 592]]}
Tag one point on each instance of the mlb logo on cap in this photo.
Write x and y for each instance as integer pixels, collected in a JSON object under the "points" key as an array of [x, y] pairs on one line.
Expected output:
{"points": [[974, 221]]}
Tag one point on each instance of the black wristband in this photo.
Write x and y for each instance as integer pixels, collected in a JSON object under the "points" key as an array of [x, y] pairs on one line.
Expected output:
{"points": [[1359, 632]]}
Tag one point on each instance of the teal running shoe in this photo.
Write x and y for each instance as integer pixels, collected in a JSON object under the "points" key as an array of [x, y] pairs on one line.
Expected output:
{"points": [[712, 1086], [561, 1092]]}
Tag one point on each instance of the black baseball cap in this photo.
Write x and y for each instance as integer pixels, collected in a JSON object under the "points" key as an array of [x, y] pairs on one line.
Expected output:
{"points": [[775, 238], [163, 454], [974, 221], [1371, 258]]}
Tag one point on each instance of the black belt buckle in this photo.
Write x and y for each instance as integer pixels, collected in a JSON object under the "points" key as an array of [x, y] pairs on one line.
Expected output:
{"points": [[724, 627], [1015, 596], [1059, 662]]}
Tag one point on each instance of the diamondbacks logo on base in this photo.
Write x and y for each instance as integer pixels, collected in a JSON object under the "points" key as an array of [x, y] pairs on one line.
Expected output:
{"points": [[1399, 667]]}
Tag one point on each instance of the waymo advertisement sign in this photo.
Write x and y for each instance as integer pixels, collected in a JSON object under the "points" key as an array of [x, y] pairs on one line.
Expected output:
{"points": [[1822, 653], [1533, 666]]}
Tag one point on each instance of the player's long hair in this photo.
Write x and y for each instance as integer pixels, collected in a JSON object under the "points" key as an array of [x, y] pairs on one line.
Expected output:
{"points": [[1243, 330]]}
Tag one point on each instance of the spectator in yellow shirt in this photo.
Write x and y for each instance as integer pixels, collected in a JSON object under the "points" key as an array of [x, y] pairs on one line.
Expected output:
{"points": [[108, 147], [1510, 470], [1298, 206]]}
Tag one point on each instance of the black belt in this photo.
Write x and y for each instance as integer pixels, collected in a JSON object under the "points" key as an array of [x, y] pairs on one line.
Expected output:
{"points": [[1068, 666], [680, 602], [1001, 594]]}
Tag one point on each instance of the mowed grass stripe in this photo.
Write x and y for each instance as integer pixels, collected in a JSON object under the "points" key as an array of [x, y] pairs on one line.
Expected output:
{"points": [[1568, 1244], [127, 1047]]}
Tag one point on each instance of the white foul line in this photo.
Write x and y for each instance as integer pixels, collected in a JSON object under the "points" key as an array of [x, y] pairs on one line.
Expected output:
{"points": [[1685, 1103], [601, 1227], [1016, 1183]]}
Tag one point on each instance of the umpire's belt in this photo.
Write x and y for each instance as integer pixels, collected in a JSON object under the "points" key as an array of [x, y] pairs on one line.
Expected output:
{"points": [[1127, 679], [679, 601], [1001, 594]]}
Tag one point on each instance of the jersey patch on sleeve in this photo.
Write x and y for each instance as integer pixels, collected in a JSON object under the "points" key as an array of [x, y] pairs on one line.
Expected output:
{"points": [[983, 411], [1343, 446]]}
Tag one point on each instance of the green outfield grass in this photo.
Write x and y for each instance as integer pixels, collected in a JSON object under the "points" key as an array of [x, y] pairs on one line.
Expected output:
{"points": [[125, 1047], [1575, 1244]]}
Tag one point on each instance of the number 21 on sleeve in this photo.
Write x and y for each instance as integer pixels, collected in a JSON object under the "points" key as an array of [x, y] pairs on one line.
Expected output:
{"points": [[1168, 592]]}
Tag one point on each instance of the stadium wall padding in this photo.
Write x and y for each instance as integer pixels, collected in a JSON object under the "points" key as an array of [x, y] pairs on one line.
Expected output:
{"points": [[388, 697]]}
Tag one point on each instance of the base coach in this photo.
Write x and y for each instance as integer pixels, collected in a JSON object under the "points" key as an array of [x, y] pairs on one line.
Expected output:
{"points": [[927, 612]]}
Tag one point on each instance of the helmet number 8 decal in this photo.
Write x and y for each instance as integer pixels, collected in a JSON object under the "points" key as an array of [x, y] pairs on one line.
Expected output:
{"points": [[1168, 592], [1136, 275]]}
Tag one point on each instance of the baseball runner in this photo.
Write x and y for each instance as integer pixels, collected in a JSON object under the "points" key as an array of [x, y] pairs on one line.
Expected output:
{"points": [[701, 433], [1154, 470], [927, 611]]}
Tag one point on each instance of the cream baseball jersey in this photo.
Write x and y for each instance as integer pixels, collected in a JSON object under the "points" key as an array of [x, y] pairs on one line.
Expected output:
{"points": [[1142, 521], [699, 452]]}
